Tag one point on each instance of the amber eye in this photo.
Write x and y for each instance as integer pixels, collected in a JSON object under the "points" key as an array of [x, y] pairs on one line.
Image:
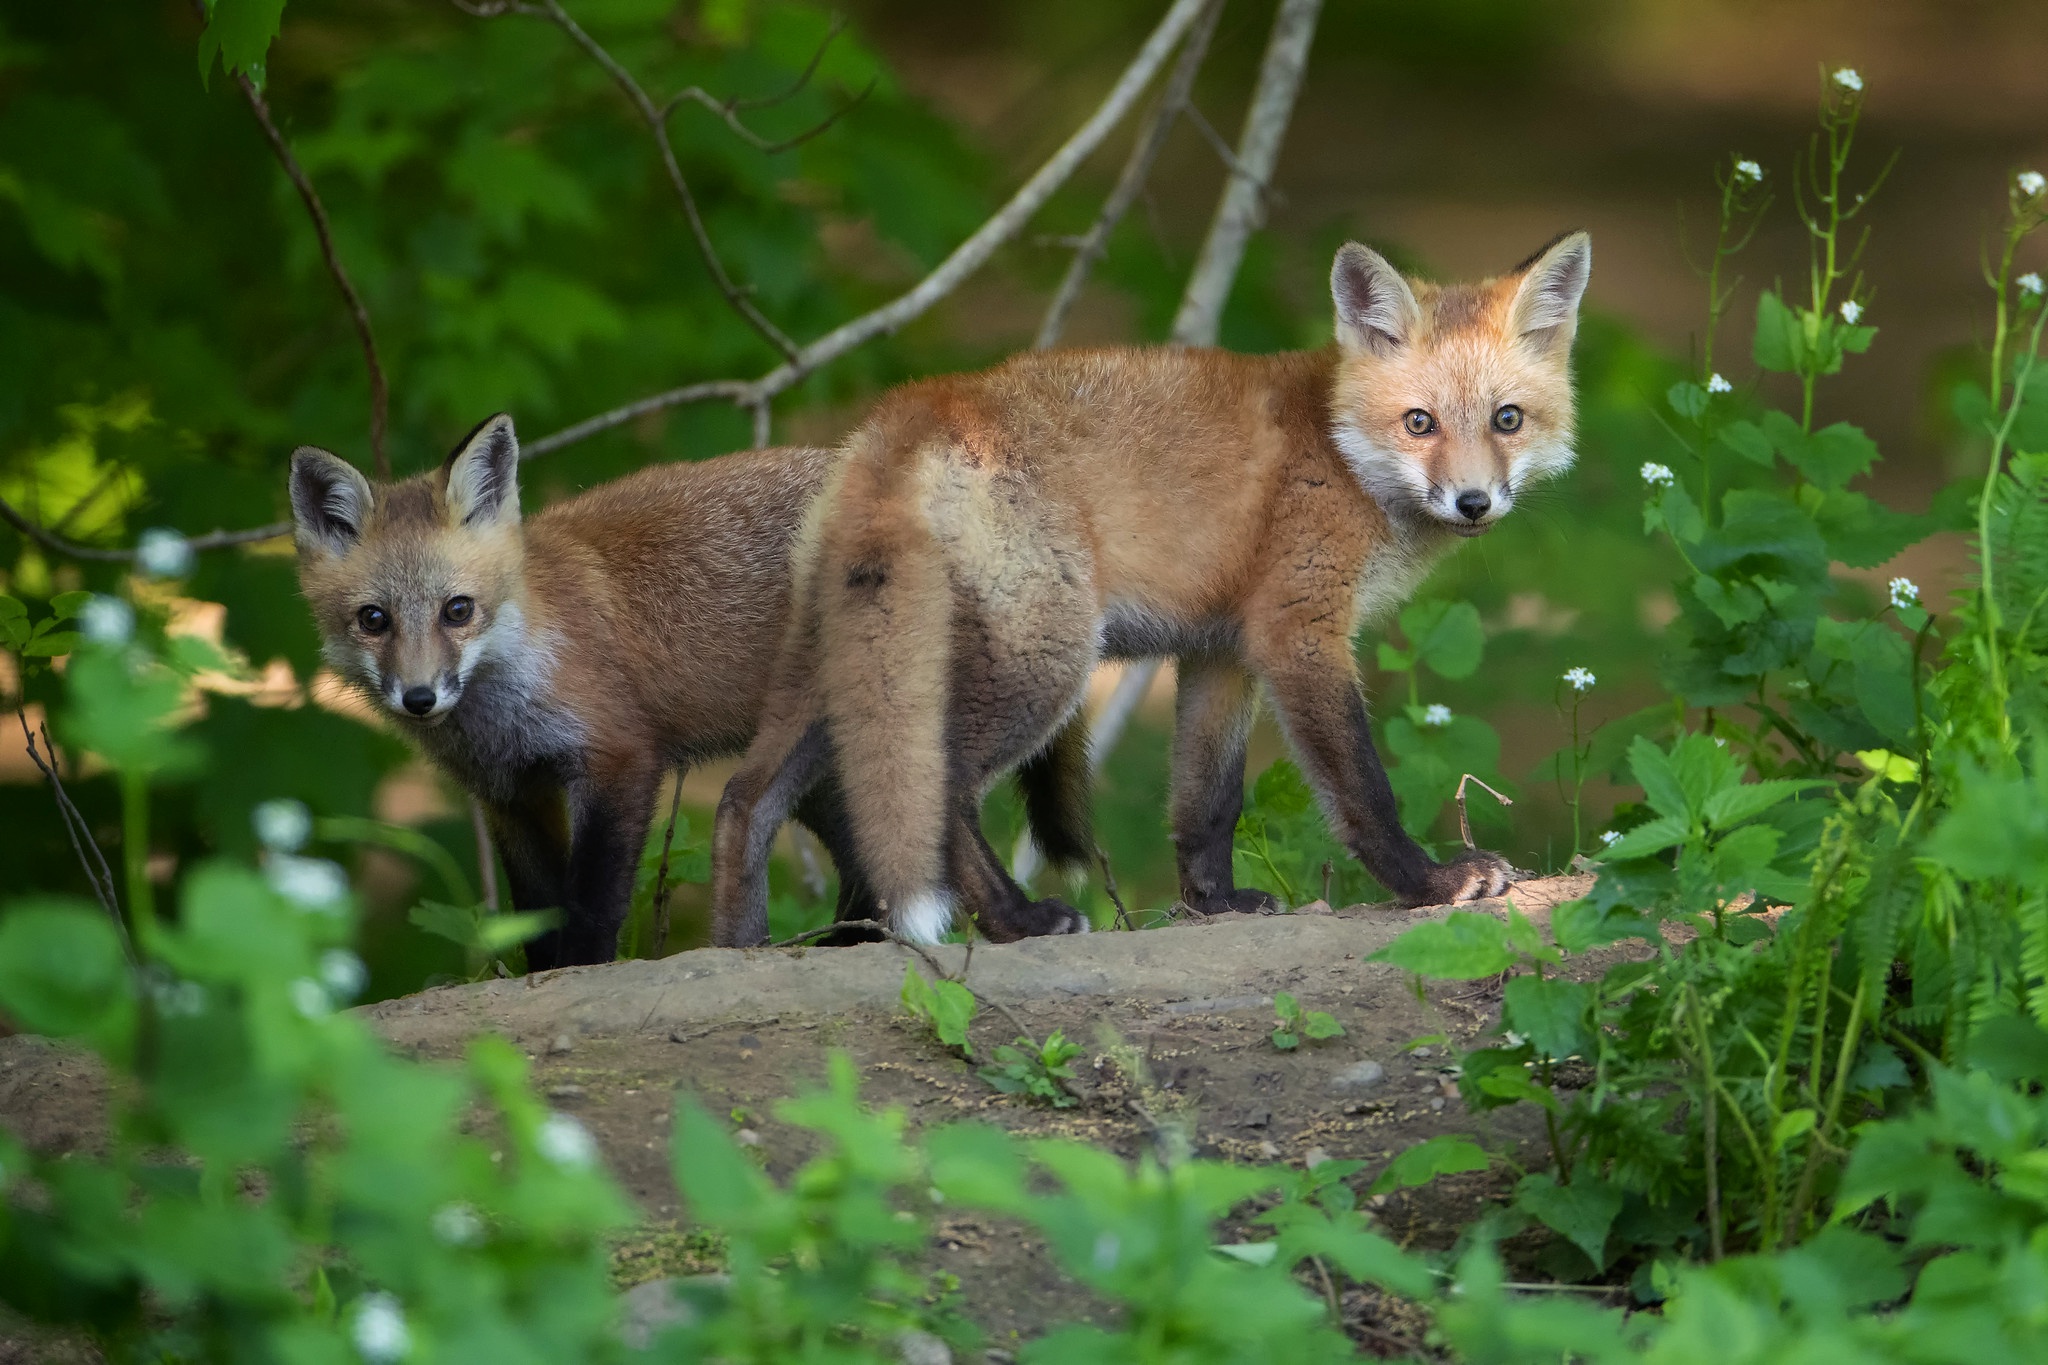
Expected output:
{"points": [[458, 611], [373, 620], [1507, 417], [1418, 422]]}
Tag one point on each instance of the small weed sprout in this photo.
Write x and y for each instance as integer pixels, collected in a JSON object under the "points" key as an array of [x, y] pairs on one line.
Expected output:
{"points": [[1293, 1023], [1035, 1071]]}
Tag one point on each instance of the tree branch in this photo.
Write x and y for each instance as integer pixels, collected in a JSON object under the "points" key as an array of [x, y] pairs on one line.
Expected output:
{"points": [[729, 109], [212, 540], [966, 258], [1137, 170], [380, 393], [97, 874]]}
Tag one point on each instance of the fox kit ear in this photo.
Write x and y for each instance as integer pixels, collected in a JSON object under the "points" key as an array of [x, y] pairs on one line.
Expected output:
{"points": [[1546, 306], [483, 476], [1376, 310], [330, 501]]}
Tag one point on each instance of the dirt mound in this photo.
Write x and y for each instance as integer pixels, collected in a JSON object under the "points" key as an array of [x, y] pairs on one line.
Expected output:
{"points": [[742, 1029]]}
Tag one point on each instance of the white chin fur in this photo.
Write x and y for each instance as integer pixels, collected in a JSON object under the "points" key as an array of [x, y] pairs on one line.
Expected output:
{"points": [[925, 917], [1391, 480]]}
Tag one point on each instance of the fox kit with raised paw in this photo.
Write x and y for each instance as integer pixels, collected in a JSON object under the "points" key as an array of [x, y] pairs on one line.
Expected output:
{"points": [[556, 666], [991, 537]]}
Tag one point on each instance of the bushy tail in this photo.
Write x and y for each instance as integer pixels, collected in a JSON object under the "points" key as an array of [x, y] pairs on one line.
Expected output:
{"points": [[885, 650], [1056, 784]]}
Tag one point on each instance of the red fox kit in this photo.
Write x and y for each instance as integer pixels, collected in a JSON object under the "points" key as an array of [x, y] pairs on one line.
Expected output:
{"points": [[579, 653], [991, 537]]}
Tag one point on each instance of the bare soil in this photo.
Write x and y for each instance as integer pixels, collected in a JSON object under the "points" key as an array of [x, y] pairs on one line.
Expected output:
{"points": [[744, 1029]]}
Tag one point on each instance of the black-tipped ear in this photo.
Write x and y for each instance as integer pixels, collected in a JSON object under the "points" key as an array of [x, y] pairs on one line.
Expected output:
{"points": [[1376, 310], [330, 501], [1546, 306], [483, 475]]}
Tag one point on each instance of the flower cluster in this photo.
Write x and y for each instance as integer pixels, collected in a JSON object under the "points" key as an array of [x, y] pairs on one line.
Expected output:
{"points": [[1436, 714], [1579, 678], [1748, 173], [1716, 384], [379, 1329], [565, 1142], [2030, 283], [1905, 593], [2031, 183], [107, 621], [162, 553], [1849, 80], [1851, 311], [1658, 475], [1610, 837]]}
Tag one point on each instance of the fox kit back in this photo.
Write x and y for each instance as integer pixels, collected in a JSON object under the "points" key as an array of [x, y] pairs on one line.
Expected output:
{"points": [[995, 535]]}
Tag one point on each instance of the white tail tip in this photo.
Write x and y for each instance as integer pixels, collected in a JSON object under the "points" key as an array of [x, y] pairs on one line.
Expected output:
{"points": [[925, 917]]}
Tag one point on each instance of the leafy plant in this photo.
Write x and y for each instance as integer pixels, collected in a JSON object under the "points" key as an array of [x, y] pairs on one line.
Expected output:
{"points": [[946, 1007], [1037, 1071], [1293, 1023]]}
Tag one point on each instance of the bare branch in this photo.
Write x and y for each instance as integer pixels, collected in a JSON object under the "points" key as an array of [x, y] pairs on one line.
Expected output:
{"points": [[97, 874], [656, 119], [1089, 248], [1242, 210], [729, 109], [212, 540], [668, 839], [966, 258], [380, 393]]}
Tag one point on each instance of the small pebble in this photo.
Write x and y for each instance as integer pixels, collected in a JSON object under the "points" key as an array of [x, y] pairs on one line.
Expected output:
{"points": [[1314, 1157], [566, 1091], [561, 1043], [1268, 1151], [747, 1137], [1363, 1075]]}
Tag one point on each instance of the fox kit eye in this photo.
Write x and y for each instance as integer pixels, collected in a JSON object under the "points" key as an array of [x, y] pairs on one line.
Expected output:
{"points": [[458, 611], [1418, 422], [1507, 418], [373, 620]]}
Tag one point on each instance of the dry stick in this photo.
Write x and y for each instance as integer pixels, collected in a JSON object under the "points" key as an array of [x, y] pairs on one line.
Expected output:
{"points": [[1123, 916], [656, 118], [1465, 824], [1239, 213], [965, 259], [100, 878], [380, 394], [212, 540], [668, 838], [1091, 245], [486, 857]]}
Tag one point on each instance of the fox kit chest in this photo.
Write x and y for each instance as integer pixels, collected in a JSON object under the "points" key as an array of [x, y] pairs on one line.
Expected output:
{"points": [[1392, 570], [508, 727]]}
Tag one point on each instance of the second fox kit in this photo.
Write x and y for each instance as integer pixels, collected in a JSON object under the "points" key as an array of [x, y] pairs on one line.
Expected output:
{"points": [[556, 667], [992, 536]]}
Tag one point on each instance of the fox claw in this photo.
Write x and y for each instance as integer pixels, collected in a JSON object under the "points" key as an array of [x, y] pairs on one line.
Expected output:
{"points": [[1474, 875]]}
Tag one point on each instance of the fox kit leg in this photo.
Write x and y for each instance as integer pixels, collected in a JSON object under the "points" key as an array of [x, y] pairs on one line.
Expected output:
{"points": [[1213, 702], [1324, 712], [532, 837], [786, 758], [610, 806]]}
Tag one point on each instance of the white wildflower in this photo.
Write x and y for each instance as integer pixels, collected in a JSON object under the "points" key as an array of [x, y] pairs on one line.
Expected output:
{"points": [[163, 553], [1849, 80], [1609, 838], [309, 998], [1658, 475], [1512, 1038], [379, 1329], [1436, 714], [2031, 183], [1851, 311], [283, 825], [309, 883], [2030, 283], [1716, 384], [1749, 172], [343, 973], [458, 1224], [1905, 592], [107, 621], [1579, 678], [565, 1142]]}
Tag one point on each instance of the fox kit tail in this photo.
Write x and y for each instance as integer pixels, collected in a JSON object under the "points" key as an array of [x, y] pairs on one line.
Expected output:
{"points": [[886, 649], [1055, 786]]}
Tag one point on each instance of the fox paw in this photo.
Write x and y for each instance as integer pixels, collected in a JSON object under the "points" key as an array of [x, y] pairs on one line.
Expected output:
{"points": [[1473, 875], [1034, 919]]}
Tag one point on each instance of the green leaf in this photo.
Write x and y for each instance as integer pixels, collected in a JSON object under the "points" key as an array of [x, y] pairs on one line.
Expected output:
{"points": [[1446, 636], [1733, 805], [1862, 532], [240, 32], [1550, 1012], [1780, 343], [1747, 439], [1790, 1127], [1425, 1161], [1687, 399], [1829, 457], [1581, 1212], [723, 1187], [1462, 946], [63, 971], [947, 1006], [1317, 1025], [1652, 836]]}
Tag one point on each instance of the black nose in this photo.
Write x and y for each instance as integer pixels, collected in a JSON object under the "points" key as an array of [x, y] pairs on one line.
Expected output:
{"points": [[419, 700], [1471, 502]]}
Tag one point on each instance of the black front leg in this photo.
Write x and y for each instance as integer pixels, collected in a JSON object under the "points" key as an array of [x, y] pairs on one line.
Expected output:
{"points": [[1213, 702], [608, 828], [531, 832], [1325, 716]]}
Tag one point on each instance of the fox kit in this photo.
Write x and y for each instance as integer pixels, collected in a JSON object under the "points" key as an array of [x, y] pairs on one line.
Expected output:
{"points": [[991, 537], [577, 654]]}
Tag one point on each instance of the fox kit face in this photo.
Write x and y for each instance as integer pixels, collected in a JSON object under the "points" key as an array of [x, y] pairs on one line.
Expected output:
{"points": [[1450, 399], [413, 584]]}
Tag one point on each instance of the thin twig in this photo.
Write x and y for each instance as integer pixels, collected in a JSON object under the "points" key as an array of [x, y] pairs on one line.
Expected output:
{"points": [[1091, 245], [212, 540], [380, 394], [1123, 918], [668, 838], [100, 877], [1464, 822]]}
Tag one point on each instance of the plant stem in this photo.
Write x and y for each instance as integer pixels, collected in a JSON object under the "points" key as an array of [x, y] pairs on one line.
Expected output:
{"points": [[135, 861]]}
